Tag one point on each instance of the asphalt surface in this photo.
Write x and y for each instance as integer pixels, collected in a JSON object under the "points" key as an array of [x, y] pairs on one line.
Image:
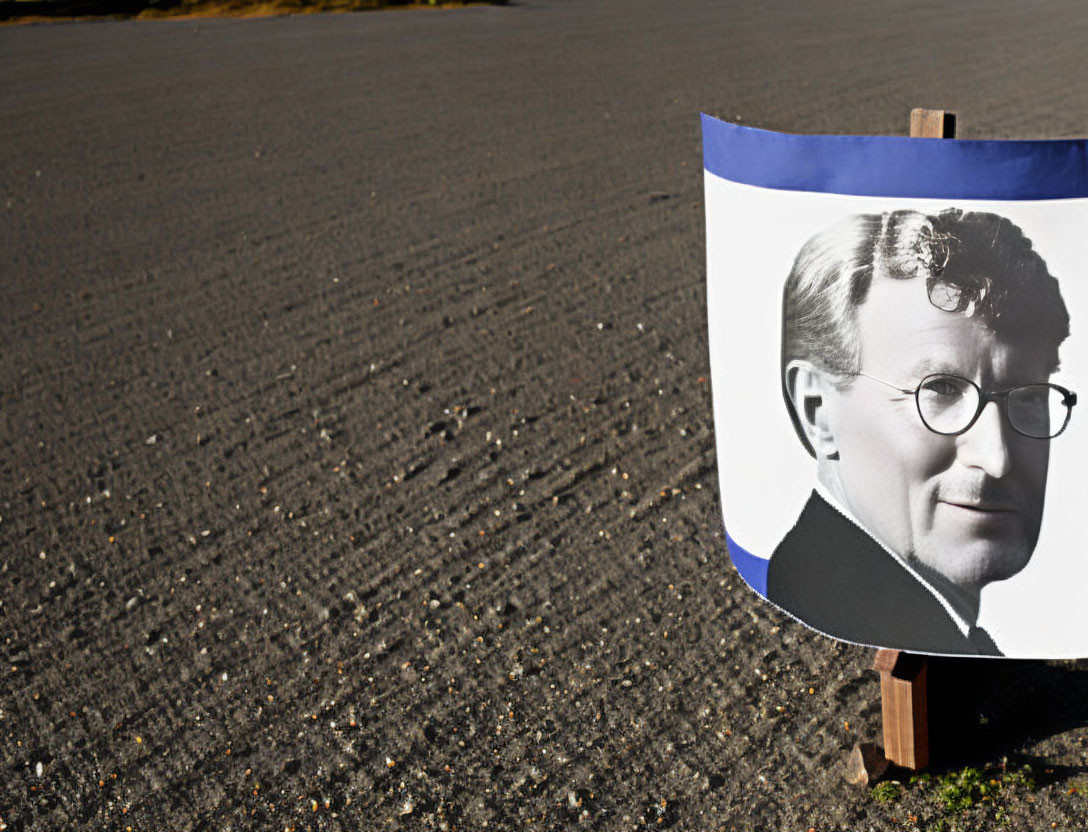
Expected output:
{"points": [[356, 453]]}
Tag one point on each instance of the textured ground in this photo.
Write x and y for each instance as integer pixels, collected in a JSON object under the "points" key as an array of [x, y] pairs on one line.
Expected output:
{"points": [[356, 456]]}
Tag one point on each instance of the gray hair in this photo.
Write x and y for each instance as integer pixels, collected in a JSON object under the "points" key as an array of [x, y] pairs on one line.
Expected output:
{"points": [[976, 264]]}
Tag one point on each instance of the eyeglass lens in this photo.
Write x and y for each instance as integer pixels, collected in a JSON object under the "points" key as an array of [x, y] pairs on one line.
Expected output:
{"points": [[948, 404]]}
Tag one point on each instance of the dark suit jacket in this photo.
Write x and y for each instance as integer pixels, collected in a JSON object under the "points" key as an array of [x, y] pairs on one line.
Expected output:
{"points": [[832, 576]]}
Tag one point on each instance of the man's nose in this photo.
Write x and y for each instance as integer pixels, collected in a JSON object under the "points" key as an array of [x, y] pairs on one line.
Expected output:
{"points": [[985, 445]]}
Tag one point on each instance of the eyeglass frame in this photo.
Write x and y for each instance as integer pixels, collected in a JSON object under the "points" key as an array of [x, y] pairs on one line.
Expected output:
{"points": [[984, 398]]}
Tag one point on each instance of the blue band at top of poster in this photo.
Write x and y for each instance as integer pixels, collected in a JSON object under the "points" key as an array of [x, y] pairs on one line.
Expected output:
{"points": [[896, 165]]}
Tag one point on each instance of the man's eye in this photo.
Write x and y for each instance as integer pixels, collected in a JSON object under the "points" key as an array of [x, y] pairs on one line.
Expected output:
{"points": [[943, 387]]}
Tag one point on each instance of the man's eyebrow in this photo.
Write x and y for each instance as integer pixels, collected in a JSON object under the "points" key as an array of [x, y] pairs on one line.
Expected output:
{"points": [[929, 366]]}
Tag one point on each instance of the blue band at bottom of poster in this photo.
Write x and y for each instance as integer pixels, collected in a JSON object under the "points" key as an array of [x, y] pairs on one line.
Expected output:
{"points": [[750, 567]]}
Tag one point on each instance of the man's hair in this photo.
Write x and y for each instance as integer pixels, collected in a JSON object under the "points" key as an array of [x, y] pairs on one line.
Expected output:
{"points": [[975, 264]]}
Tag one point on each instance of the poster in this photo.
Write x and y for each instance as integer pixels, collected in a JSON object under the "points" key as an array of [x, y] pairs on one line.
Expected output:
{"points": [[899, 358]]}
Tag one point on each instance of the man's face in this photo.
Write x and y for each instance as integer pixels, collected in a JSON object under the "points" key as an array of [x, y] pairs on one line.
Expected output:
{"points": [[965, 508]]}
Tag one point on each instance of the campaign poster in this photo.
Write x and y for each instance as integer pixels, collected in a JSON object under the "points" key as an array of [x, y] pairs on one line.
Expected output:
{"points": [[899, 358]]}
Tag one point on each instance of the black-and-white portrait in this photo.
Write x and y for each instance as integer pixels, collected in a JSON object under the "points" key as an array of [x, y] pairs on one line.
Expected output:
{"points": [[917, 358], [898, 471]]}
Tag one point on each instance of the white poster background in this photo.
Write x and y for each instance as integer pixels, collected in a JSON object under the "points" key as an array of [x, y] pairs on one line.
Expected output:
{"points": [[753, 236]]}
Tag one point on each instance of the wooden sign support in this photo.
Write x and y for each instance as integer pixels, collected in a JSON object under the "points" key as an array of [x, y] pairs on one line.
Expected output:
{"points": [[932, 124], [904, 708], [903, 675]]}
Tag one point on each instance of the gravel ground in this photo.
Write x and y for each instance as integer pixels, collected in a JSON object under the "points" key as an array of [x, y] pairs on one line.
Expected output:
{"points": [[356, 455]]}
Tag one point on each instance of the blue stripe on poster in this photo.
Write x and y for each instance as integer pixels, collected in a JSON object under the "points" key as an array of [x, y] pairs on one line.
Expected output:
{"points": [[896, 165], [751, 568]]}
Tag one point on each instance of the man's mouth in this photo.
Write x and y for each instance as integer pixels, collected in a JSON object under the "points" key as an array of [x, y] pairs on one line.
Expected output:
{"points": [[981, 507]]}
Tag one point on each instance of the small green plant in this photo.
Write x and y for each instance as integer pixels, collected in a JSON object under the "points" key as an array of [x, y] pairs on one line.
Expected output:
{"points": [[968, 793], [959, 790], [1019, 778], [887, 792]]}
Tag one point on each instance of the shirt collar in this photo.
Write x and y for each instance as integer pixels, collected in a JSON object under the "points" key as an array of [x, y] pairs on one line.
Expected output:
{"points": [[964, 626]]}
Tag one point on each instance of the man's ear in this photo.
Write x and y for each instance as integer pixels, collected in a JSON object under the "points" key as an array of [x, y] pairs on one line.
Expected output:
{"points": [[807, 386]]}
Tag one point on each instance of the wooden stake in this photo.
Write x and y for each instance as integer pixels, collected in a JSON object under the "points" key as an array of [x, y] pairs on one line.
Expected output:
{"points": [[903, 676], [904, 708], [932, 124]]}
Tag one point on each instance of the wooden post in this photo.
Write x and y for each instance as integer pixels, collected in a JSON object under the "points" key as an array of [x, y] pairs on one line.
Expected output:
{"points": [[904, 708], [903, 675], [932, 124]]}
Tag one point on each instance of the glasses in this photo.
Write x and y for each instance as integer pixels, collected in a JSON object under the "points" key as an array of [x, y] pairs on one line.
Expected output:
{"points": [[950, 405]]}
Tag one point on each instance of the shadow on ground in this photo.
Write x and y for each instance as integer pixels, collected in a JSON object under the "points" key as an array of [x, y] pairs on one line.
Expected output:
{"points": [[982, 708]]}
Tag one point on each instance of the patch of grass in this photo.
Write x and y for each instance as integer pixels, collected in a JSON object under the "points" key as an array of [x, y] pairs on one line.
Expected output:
{"points": [[28, 11], [959, 790], [963, 798], [887, 792]]}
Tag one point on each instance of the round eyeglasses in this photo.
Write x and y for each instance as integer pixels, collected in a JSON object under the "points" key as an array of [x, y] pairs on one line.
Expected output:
{"points": [[950, 405]]}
